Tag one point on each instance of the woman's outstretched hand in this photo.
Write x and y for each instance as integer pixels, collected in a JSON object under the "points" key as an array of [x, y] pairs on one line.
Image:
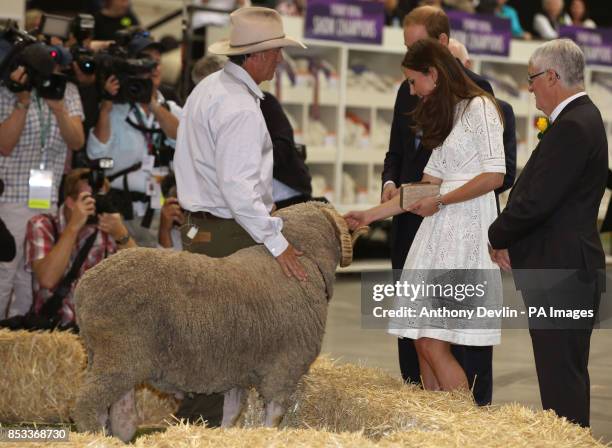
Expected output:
{"points": [[357, 219]]}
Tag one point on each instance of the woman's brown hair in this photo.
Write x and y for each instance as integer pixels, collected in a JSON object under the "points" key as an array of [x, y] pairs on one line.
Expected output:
{"points": [[435, 117]]}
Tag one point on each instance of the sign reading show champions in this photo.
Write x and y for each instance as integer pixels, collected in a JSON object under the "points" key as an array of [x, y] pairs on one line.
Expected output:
{"points": [[481, 34], [596, 44], [354, 21]]}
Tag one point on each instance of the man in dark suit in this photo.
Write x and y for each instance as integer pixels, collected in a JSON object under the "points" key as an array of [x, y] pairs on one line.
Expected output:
{"points": [[404, 162], [548, 230], [292, 181]]}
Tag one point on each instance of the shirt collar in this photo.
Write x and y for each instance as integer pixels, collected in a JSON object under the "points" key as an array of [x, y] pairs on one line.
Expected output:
{"points": [[241, 75], [563, 104]]}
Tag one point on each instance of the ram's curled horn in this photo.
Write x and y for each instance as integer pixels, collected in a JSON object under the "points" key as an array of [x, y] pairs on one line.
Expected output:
{"points": [[364, 230], [343, 233]]}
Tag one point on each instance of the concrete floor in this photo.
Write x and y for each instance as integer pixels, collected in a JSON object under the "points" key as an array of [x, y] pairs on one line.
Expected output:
{"points": [[513, 365]]}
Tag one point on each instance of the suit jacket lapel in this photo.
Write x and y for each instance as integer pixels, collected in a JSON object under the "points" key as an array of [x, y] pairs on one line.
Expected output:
{"points": [[577, 102]]}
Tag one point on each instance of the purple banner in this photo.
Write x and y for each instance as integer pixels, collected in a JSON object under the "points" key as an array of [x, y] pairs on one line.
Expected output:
{"points": [[596, 44], [355, 21], [481, 34]]}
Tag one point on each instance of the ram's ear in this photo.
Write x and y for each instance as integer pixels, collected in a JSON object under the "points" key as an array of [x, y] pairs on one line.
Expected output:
{"points": [[342, 230]]}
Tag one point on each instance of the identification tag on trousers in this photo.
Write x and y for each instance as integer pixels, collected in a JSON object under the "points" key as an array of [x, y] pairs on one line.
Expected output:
{"points": [[41, 189]]}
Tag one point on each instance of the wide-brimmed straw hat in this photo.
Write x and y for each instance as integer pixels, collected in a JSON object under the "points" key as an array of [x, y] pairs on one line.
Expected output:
{"points": [[254, 29]]}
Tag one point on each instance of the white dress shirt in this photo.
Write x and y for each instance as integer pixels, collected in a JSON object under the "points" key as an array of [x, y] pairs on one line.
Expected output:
{"points": [[555, 113], [223, 159]]}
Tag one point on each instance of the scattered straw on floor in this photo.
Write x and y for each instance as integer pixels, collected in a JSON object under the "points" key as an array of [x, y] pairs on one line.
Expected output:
{"points": [[336, 405]]}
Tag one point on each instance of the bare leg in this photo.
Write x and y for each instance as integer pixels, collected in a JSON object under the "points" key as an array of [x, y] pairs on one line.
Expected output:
{"points": [[447, 370], [233, 404], [274, 414], [428, 377], [123, 417]]}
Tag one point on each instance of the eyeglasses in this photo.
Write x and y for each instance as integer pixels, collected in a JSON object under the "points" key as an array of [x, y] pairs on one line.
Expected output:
{"points": [[530, 78]]}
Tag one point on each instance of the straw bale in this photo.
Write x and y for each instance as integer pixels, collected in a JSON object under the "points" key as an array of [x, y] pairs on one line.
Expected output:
{"points": [[351, 398], [41, 375], [334, 405], [500, 427]]}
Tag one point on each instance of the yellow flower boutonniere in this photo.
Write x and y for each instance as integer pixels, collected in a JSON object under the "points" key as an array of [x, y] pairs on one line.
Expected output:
{"points": [[542, 124]]}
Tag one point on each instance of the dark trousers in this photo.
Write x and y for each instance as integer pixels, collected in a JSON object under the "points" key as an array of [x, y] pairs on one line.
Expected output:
{"points": [[562, 358], [476, 361], [216, 238], [561, 345]]}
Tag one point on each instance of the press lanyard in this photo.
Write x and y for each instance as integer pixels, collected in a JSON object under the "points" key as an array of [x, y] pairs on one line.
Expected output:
{"points": [[44, 131], [147, 135]]}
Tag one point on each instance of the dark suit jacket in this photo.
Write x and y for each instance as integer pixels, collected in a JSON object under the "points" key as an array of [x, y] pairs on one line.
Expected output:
{"points": [[606, 226], [550, 221], [509, 146], [289, 168], [404, 163]]}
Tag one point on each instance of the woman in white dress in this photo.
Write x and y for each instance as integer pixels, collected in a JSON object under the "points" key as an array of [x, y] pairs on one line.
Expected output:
{"points": [[463, 127]]}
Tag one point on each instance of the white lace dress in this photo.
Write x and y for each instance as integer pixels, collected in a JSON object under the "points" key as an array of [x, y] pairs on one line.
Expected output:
{"points": [[455, 238]]}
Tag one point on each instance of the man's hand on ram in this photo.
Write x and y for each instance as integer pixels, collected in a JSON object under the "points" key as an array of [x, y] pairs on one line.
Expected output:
{"points": [[290, 263]]}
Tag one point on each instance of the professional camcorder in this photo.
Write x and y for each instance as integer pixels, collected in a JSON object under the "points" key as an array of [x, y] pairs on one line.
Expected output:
{"points": [[38, 60], [130, 72], [81, 28], [131, 69]]}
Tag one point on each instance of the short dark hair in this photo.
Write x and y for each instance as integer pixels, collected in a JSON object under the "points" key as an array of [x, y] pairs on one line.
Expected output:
{"points": [[71, 181], [432, 18], [239, 59]]}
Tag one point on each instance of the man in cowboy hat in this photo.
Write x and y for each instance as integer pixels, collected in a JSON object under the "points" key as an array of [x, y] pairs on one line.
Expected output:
{"points": [[223, 160]]}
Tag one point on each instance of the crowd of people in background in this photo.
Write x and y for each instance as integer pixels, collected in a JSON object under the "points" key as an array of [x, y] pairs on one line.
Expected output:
{"points": [[538, 19]]}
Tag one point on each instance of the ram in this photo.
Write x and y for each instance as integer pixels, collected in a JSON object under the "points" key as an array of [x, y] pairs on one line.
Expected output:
{"points": [[185, 322]]}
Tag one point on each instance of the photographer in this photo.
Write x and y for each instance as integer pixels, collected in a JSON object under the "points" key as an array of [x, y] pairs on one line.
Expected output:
{"points": [[53, 242], [139, 136], [35, 135]]}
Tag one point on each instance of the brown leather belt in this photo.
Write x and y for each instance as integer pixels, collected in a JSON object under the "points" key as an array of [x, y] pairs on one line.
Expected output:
{"points": [[206, 215]]}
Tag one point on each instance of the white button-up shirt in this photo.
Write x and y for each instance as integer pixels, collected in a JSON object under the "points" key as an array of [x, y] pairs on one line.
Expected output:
{"points": [[223, 158]]}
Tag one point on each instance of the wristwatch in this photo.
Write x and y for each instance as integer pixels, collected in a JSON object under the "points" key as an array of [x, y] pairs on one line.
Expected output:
{"points": [[439, 202], [123, 240], [21, 106]]}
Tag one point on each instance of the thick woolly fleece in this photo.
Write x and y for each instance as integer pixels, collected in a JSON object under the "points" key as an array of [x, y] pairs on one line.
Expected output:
{"points": [[186, 322]]}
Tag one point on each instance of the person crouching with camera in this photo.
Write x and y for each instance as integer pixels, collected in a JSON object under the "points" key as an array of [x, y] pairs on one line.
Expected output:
{"points": [[138, 132], [61, 247], [39, 123]]}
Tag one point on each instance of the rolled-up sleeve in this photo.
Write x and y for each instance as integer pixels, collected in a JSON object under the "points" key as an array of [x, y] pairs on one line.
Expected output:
{"points": [[238, 160], [97, 149]]}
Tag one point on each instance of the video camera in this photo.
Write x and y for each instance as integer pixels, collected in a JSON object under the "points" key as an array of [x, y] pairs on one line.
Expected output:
{"points": [[81, 27], [95, 178], [35, 57], [130, 70]]}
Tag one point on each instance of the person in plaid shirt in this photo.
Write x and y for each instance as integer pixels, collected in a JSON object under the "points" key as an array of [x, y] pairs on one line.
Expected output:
{"points": [[53, 241], [32, 131]]}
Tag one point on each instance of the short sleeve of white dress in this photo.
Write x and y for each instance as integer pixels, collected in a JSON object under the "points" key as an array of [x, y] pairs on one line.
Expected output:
{"points": [[435, 165], [483, 119]]}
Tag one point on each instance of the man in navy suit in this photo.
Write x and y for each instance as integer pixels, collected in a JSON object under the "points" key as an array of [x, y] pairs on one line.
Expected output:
{"points": [[404, 162], [548, 231]]}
